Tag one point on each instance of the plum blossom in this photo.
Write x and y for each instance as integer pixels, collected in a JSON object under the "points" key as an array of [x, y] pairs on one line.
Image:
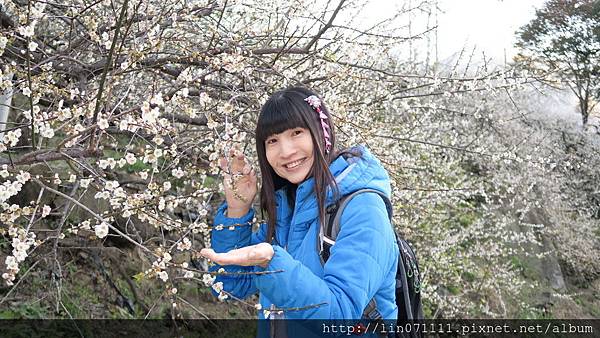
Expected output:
{"points": [[130, 158], [85, 182], [3, 42], [184, 244], [23, 177], [178, 172], [46, 211], [102, 123], [163, 276], [101, 229], [209, 279], [27, 31], [32, 46]]}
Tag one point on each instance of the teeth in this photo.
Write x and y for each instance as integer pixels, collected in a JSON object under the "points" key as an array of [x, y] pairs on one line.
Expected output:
{"points": [[294, 164]]}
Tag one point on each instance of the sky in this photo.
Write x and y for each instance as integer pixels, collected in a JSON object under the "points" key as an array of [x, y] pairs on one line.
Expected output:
{"points": [[488, 25]]}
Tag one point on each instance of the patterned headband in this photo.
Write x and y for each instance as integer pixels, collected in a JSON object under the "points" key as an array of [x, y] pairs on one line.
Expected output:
{"points": [[315, 103]]}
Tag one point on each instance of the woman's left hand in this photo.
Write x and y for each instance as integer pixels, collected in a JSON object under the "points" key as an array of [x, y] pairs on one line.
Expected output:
{"points": [[259, 254]]}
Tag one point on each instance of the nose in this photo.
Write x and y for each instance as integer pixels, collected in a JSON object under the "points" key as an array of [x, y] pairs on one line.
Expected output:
{"points": [[288, 148]]}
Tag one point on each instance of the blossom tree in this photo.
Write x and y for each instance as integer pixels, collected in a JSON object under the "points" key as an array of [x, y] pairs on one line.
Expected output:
{"points": [[121, 110], [564, 39]]}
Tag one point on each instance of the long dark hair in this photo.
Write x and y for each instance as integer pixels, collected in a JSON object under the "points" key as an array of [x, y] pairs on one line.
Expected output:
{"points": [[287, 109]]}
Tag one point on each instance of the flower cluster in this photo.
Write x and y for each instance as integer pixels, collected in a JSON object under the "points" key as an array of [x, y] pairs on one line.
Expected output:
{"points": [[159, 267], [184, 244], [218, 287], [101, 229], [9, 188], [21, 242], [9, 139]]}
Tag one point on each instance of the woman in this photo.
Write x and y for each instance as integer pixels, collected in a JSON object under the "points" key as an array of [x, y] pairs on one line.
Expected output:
{"points": [[301, 175]]}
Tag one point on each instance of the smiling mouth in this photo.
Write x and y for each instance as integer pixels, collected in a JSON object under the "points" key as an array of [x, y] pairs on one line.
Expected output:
{"points": [[294, 164]]}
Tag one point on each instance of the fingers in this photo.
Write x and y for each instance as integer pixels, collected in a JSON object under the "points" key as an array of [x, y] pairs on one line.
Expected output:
{"points": [[235, 163], [246, 169], [247, 256], [223, 163], [219, 258], [233, 257], [207, 253]]}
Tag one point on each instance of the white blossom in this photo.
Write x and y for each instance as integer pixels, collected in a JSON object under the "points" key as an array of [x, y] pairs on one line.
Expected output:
{"points": [[46, 211], [178, 172], [130, 158], [3, 42], [101, 229], [102, 123], [32, 46], [222, 296], [184, 244], [23, 177], [11, 263], [85, 225], [85, 182], [163, 276], [27, 31], [46, 131]]}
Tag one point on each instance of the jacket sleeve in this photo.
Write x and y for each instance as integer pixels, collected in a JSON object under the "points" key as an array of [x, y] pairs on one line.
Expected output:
{"points": [[232, 233], [360, 260]]}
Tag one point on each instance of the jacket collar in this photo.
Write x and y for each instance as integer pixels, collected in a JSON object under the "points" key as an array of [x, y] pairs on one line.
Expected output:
{"points": [[306, 188]]}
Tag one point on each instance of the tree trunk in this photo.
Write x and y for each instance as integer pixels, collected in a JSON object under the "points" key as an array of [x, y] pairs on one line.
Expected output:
{"points": [[5, 103], [584, 109]]}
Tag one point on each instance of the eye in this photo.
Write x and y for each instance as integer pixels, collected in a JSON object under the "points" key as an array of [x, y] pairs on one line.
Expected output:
{"points": [[297, 132], [271, 140]]}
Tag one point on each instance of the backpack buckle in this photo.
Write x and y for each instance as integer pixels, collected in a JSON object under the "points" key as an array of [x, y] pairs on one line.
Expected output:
{"points": [[331, 208]]}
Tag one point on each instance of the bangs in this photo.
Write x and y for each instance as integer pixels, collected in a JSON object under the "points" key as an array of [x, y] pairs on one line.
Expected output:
{"points": [[278, 115]]}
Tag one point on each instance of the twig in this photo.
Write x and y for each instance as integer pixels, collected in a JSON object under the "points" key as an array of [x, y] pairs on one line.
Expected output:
{"points": [[153, 305], [50, 155], [18, 282], [193, 307], [72, 319], [37, 204], [107, 66], [57, 271], [100, 218]]}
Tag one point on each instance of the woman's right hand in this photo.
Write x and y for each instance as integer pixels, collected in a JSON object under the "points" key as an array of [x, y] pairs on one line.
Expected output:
{"points": [[240, 184]]}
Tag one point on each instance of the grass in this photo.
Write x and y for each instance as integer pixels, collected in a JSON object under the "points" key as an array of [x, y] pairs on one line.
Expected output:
{"points": [[28, 310]]}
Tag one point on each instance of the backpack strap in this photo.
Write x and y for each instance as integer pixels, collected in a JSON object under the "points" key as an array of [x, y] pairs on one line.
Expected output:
{"points": [[328, 235], [333, 217]]}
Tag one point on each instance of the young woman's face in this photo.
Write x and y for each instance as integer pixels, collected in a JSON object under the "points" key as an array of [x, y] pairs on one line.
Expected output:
{"points": [[290, 154]]}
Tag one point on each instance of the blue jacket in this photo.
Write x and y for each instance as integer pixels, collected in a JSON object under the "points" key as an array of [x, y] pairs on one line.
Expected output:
{"points": [[362, 264]]}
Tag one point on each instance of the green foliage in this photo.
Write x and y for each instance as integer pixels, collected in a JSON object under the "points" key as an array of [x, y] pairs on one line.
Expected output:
{"points": [[564, 38], [137, 167], [533, 313], [29, 310], [4, 243]]}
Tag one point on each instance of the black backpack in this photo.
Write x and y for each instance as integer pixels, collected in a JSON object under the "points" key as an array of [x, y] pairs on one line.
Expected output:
{"points": [[408, 278]]}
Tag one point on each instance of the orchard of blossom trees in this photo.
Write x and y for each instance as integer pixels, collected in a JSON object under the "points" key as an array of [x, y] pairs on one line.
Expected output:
{"points": [[116, 111]]}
